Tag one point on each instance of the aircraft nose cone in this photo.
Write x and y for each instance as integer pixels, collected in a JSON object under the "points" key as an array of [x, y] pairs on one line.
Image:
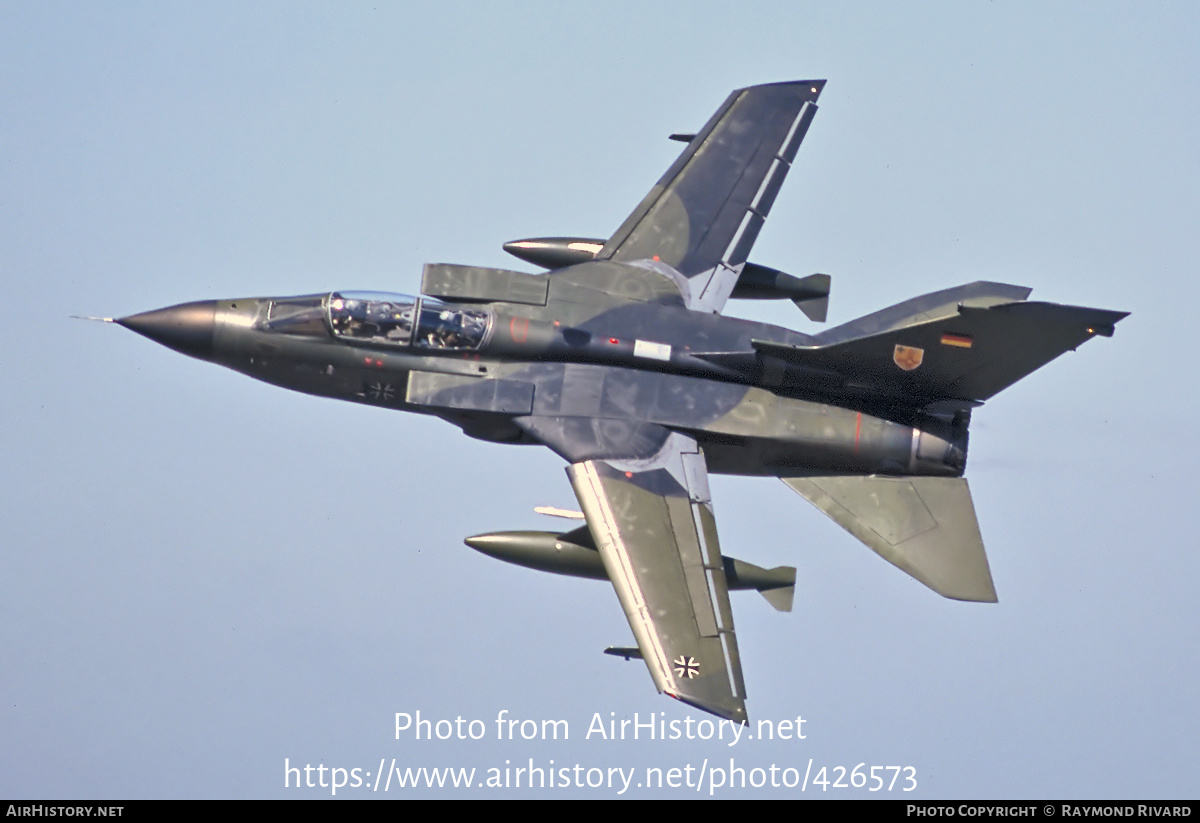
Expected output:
{"points": [[187, 328]]}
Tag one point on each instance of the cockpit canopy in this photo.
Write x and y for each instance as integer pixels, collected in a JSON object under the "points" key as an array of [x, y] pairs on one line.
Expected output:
{"points": [[381, 319], [373, 317]]}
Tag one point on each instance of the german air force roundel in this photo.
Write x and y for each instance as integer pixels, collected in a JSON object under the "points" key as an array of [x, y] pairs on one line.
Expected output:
{"points": [[908, 357]]}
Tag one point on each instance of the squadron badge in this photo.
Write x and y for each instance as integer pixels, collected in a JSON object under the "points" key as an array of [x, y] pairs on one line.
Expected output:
{"points": [[908, 357]]}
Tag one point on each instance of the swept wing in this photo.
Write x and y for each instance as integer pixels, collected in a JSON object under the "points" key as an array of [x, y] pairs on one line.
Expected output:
{"points": [[703, 216], [653, 524]]}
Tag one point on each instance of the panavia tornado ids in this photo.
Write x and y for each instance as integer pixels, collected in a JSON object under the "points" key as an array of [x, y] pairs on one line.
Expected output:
{"points": [[620, 360]]}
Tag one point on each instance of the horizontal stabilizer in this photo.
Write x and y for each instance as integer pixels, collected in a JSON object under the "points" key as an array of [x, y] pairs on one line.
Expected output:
{"points": [[924, 526]]}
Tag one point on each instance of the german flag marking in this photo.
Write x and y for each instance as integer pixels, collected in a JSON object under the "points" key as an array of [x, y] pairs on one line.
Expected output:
{"points": [[958, 340]]}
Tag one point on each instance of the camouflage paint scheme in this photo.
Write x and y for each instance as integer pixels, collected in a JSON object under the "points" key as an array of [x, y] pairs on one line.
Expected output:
{"points": [[619, 360]]}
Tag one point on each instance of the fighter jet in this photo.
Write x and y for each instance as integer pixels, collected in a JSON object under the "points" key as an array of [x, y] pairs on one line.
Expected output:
{"points": [[619, 359]]}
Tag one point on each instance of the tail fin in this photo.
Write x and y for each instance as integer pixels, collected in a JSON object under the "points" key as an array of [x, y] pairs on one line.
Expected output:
{"points": [[777, 585], [780, 599], [815, 308], [961, 345], [924, 526]]}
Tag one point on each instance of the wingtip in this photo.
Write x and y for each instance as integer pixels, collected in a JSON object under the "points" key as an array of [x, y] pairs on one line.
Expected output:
{"points": [[735, 713]]}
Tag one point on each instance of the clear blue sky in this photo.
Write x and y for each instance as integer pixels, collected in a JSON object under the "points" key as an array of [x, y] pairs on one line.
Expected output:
{"points": [[204, 575]]}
